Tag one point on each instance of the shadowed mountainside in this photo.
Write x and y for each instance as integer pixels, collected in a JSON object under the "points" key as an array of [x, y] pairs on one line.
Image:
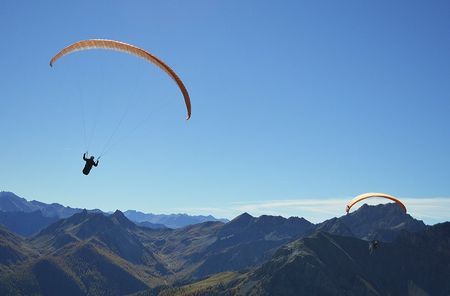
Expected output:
{"points": [[383, 222], [326, 264], [25, 223], [13, 250]]}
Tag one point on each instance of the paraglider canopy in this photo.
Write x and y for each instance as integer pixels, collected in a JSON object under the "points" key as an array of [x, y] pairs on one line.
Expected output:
{"points": [[130, 49], [373, 194]]}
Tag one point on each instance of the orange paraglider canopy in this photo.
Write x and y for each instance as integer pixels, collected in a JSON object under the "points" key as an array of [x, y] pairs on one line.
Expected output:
{"points": [[373, 194], [130, 49]]}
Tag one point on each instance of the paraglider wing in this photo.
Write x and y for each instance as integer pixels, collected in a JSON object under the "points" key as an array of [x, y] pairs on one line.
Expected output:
{"points": [[373, 194], [127, 48]]}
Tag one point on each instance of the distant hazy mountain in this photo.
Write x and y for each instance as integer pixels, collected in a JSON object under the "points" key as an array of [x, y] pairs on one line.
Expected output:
{"points": [[25, 223], [151, 225], [171, 221], [9, 202]]}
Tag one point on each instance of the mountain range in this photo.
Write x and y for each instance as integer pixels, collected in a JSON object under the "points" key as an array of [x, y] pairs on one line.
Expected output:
{"points": [[93, 253], [326, 264], [169, 221], [32, 216]]}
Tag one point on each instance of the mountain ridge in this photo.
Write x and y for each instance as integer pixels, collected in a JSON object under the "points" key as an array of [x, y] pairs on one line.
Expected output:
{"points": [[10, 202], [327, 264], [90, 253]]}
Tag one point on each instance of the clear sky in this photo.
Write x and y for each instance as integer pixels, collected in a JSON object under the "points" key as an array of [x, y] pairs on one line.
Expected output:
{"points": [[293, 102]]}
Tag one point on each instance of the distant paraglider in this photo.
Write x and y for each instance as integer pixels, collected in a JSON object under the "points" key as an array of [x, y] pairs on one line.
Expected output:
{"points": [[373, 245], [370, 195]]}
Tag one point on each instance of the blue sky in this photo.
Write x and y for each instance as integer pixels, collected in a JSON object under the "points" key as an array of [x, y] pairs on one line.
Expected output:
{"points": [[294, 101]]}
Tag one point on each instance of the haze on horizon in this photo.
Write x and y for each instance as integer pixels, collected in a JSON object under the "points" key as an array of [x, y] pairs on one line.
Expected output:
{"points": [[296, 107]]}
